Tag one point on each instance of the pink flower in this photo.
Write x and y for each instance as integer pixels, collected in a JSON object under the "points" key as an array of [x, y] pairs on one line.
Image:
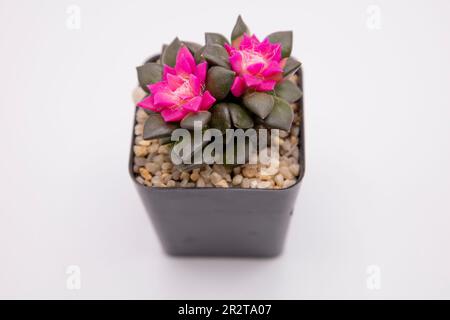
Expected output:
{"points": [[258, 65], [181, 90]]}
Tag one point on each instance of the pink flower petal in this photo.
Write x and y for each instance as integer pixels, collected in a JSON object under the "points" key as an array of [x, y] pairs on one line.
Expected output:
{"points": [[229, 48], [195, 84], [200, 72], [155, 87], [193, 104], [238, 87], [236, 62], [266, 85], [147, 103], [168, 70], [255, 68], [207, 101], [164, 99], [171, 115], [174, 81], [251, 80], [272, 69], [185, 61]]}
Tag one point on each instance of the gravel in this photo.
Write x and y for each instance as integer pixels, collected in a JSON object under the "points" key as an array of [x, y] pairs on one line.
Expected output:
{"points": [[153, 167]]}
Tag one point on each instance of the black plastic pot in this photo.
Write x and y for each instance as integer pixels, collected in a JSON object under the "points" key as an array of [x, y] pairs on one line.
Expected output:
{"points": [[222, 222]]}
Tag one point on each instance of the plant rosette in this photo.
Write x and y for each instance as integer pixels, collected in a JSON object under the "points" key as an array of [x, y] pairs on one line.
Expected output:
{"points": [[239, 85]]}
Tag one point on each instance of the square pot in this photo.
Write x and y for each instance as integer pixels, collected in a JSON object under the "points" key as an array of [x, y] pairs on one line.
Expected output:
{"points": [[222, 222]]}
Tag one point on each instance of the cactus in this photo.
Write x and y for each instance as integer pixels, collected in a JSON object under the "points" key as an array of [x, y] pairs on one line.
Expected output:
{"points": [[227, 83]]}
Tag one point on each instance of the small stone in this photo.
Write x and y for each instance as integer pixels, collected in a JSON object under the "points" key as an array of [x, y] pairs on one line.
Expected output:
{"points": [[221, 184], [139, 161], [200, 182], [141, 115], [253, 183], [279, 179], [237, 180], [165, 177], [220, 169], [215, 178], [283, 134], [237, 170], [164, 149], [152, 167], [166, 166], [139, 129], [265, 184], [140, 151], [185, 175], [286, 173], [144, 173], [140, 180], [171, 183], [153, 148], [176, 175], [245, 183], [288, 183], [250, 171], [138, 95], [228, 177], [295, 169], [195, 176], [144, 143]]}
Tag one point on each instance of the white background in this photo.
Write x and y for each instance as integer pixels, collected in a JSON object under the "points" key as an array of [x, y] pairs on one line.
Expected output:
{"points": [[377, 187]]}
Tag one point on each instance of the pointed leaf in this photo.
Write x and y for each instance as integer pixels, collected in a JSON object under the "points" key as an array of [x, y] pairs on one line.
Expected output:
{"points": [[239, 29], [155, 127], [198, 56], [240, 117], [281, 116], [285, 39], [220, 118], [215, 38], [169, 56], [149, 73], [259, 103], [288, 91], [192, 46], [165, 140], [291, 66], [216, 55], [202, 116], [219, 81]]}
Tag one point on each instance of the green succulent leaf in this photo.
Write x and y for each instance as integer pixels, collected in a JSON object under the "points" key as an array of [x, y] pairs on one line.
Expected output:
{"points": [[240, 117], [285, 39], [149, 73], [239, 29], [259, 103], [220, 118], [288, 91], [165, 140], [198, 56], [189, 120], [219, 81], [215, 38], [169, 56], [291, 66], [192, 46], [216, 55], [155, 127], [281, 116]]}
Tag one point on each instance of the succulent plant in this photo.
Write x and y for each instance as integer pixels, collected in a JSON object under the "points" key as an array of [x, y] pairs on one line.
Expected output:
{"points": [[227, 83]]}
